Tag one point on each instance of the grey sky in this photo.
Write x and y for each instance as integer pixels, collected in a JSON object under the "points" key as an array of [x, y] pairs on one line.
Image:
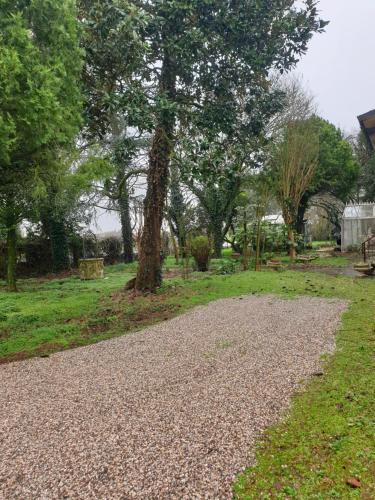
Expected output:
{"points": [[338, 68]]}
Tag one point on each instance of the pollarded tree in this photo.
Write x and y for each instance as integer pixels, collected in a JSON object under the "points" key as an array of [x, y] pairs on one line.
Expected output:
{"points": [[39, 100], [294, 162], [217, 197]]}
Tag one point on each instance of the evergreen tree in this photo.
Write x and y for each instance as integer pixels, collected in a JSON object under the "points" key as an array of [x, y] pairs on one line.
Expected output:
{"points": [[40, 63]]}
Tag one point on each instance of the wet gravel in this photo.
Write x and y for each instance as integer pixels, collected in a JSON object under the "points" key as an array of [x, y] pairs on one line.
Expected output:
{"points": [[171, 412]]}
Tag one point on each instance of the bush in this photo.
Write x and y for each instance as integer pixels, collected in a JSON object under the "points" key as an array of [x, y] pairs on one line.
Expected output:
{"points": [[200, 250], [227, 267]]}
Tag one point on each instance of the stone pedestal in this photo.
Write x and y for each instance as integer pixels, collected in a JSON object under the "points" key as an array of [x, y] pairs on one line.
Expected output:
{"points": [[91, 269]]}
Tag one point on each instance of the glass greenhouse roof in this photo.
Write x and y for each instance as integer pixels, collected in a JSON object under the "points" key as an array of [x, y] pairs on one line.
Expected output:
{"points": [[362, 211]]}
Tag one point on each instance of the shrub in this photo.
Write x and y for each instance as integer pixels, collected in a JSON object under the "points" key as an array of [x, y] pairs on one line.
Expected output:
{"points": [[227, 267], [200, 250]]}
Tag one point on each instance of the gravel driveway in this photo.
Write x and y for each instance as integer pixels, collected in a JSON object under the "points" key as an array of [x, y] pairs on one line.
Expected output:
{"points": [[169, 412]]}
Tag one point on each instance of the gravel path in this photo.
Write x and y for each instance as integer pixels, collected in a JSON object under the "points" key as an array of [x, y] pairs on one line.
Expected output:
{"points": [[168, 413]]}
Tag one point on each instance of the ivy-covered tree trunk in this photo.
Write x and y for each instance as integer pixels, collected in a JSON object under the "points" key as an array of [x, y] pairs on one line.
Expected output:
{"points": [[59, 245], [11, 258], [126, 228], [218, 237], [300, 221], [149, 269]]}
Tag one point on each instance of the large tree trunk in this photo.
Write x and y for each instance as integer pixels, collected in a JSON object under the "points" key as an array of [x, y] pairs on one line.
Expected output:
{"points": [[182, 242], [126, 228], [149, 269], [11, 258], [217, 233]]}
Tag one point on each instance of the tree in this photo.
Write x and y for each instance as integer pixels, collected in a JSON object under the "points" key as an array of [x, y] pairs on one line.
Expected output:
{"points": [[337, 170], [294, 163], [206, 54], [218, 200], [39, 100], [124, 155], [214, 171], [63, 203]]}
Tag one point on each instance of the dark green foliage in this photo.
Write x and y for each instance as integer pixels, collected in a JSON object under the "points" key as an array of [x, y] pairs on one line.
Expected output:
{"points": [[39, 100], [112, 32], [338, 170], [368, 179], [33, 256], [201, 250], [226, 266], [59, 244], [214, 173]]}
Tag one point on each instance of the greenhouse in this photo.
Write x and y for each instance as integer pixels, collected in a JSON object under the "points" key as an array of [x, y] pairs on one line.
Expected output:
{"points": [[358, 224]]}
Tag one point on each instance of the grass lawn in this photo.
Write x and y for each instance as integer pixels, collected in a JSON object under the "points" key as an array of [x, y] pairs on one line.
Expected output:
{"points": [[334, 261], [322, 244], [328, 436], [52, 315]]}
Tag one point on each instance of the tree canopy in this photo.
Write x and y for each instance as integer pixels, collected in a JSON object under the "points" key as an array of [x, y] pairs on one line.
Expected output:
{"points": [[337, 169]]}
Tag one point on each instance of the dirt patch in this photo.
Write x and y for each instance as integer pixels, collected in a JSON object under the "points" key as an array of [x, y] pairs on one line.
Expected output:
{"points": [[114, 316], [43, 350]]}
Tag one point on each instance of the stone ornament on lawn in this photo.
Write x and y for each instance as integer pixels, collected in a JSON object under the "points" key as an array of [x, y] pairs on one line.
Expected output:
{"points": [[91, 269]]}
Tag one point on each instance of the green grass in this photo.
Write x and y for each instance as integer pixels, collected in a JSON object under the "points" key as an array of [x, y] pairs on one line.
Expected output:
{"points": [[51, 313], [334, 261], [328, 435], [322, 244]]}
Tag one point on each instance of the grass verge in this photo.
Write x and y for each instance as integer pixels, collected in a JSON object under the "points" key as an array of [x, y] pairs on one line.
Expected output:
{"points": [[328, 438]]}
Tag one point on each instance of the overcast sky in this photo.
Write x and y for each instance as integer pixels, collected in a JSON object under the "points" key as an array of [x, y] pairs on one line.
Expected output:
{"points": [[339, 68]]}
